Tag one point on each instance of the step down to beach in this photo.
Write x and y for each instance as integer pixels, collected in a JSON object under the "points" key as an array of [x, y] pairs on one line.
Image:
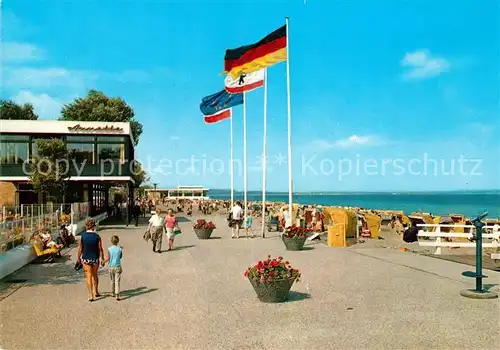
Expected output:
{"points": [[472, 274]]}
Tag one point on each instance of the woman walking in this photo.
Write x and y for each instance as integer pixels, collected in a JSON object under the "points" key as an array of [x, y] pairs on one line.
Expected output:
{"points": [[170, 224], [156, 229], [89, 253]]}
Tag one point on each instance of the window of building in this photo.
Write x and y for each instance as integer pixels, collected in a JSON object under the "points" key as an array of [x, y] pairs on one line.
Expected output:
{"points": [[79, 138], [34, 148], [81, 152], [110, 139], [111, 152], [14, 149]]}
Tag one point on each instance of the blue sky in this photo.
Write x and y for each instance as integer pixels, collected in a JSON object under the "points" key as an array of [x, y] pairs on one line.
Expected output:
{"points": [[399, 92]]}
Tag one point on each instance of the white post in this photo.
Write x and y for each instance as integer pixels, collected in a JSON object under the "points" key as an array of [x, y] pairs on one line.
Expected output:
{"points": [[264, 159], [438, 241], [245, 152], [231, 166], [290, 204]]}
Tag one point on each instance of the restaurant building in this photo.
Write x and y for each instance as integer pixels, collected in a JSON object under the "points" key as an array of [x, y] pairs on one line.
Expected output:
{"points": [[100, 155], [180, 192]]}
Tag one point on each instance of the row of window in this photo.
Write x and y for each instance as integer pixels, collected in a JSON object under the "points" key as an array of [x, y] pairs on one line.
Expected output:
{"points": [[16, 149]]}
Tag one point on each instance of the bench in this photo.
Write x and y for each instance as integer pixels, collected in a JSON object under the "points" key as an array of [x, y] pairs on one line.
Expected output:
{"points": [[465, 238], [44, 255]]}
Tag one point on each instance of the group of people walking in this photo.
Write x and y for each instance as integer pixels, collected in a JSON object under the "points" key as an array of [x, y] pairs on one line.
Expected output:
{"points": [[158, 225]]}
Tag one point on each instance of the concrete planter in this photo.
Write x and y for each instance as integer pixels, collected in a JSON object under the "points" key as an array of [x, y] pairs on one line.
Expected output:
{"points": [[272, 292], [202, 233], [294, 243]]}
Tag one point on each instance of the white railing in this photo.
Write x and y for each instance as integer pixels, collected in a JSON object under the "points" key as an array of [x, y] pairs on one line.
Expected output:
{"points": [[490, 233], [18, 229]]}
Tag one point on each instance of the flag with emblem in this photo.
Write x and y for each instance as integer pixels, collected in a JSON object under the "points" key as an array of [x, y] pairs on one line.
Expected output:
{"points": [[245, 82], [251, 58], [217, 107]]}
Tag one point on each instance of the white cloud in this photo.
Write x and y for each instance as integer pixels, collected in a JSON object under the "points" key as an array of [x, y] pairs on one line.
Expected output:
{"points": [[351, 141], [45, 106], [47, 77], [24, 77], [21, 52], [422, 65]]}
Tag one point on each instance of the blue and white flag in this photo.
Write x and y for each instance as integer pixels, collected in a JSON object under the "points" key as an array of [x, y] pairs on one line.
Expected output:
{"points": [[219, 101]]}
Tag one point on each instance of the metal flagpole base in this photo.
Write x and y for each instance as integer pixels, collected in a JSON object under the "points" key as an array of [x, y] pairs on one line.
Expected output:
{"points": [[473, 294]]}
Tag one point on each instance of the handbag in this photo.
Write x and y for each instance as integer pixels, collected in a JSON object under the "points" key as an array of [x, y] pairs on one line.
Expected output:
{"points": [[177, 230], [147, 234], [78, 265]]}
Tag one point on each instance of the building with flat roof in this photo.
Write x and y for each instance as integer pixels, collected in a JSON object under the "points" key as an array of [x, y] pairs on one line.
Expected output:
{"points": [[101, 155], [180, 192]]}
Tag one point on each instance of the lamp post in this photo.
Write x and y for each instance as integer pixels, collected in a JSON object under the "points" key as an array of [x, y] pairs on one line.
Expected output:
{"points": [[479, 292]]}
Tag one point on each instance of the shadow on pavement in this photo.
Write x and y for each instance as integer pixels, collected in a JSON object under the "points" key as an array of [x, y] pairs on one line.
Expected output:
{"points": [[307, 248], [182, 219], [297, 296], [182, 247], [130, 293], [60, 272], [490, 287]]}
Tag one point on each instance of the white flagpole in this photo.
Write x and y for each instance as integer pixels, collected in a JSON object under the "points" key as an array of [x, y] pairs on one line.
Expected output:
{"points": [[290, 190], [245, 151], [231, 166], [264, 159]]}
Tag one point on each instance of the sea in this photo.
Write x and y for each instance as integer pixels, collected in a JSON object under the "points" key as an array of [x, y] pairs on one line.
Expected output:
{"points": [[467, 203]]}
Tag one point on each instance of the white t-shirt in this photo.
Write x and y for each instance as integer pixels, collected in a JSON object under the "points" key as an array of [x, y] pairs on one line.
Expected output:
{"points": [[237, 212], [288, 218], [156, 220]]}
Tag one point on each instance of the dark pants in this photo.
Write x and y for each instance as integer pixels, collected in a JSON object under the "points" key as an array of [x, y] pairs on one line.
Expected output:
{"points": [[136, 217]]}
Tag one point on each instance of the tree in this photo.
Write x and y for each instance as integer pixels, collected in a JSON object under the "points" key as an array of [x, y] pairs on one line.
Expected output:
{"points": [[50, 168], [13, 111], [139, 174], [96, 106]]}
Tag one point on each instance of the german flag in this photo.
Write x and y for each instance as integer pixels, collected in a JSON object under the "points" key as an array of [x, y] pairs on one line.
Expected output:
{"points": [[251, 58]]}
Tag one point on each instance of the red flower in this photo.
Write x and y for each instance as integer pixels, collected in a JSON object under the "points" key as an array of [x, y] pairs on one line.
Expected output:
{"points": [[271, 270]]}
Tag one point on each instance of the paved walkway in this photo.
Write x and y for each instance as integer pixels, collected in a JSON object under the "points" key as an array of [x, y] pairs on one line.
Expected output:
{"points": [[196, 297]]}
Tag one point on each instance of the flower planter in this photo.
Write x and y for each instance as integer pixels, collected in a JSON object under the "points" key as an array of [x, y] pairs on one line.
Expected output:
{"points": [[202, 233], [294, 243], [272, 292]]}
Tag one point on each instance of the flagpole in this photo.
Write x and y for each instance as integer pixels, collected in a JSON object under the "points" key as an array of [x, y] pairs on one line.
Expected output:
{"points": [[289, 122], [245, 151], [231, 159], [264, 159]]}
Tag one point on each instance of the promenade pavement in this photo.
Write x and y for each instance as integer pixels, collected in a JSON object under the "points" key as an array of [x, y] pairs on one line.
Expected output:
{"points": [[196, 297]]}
